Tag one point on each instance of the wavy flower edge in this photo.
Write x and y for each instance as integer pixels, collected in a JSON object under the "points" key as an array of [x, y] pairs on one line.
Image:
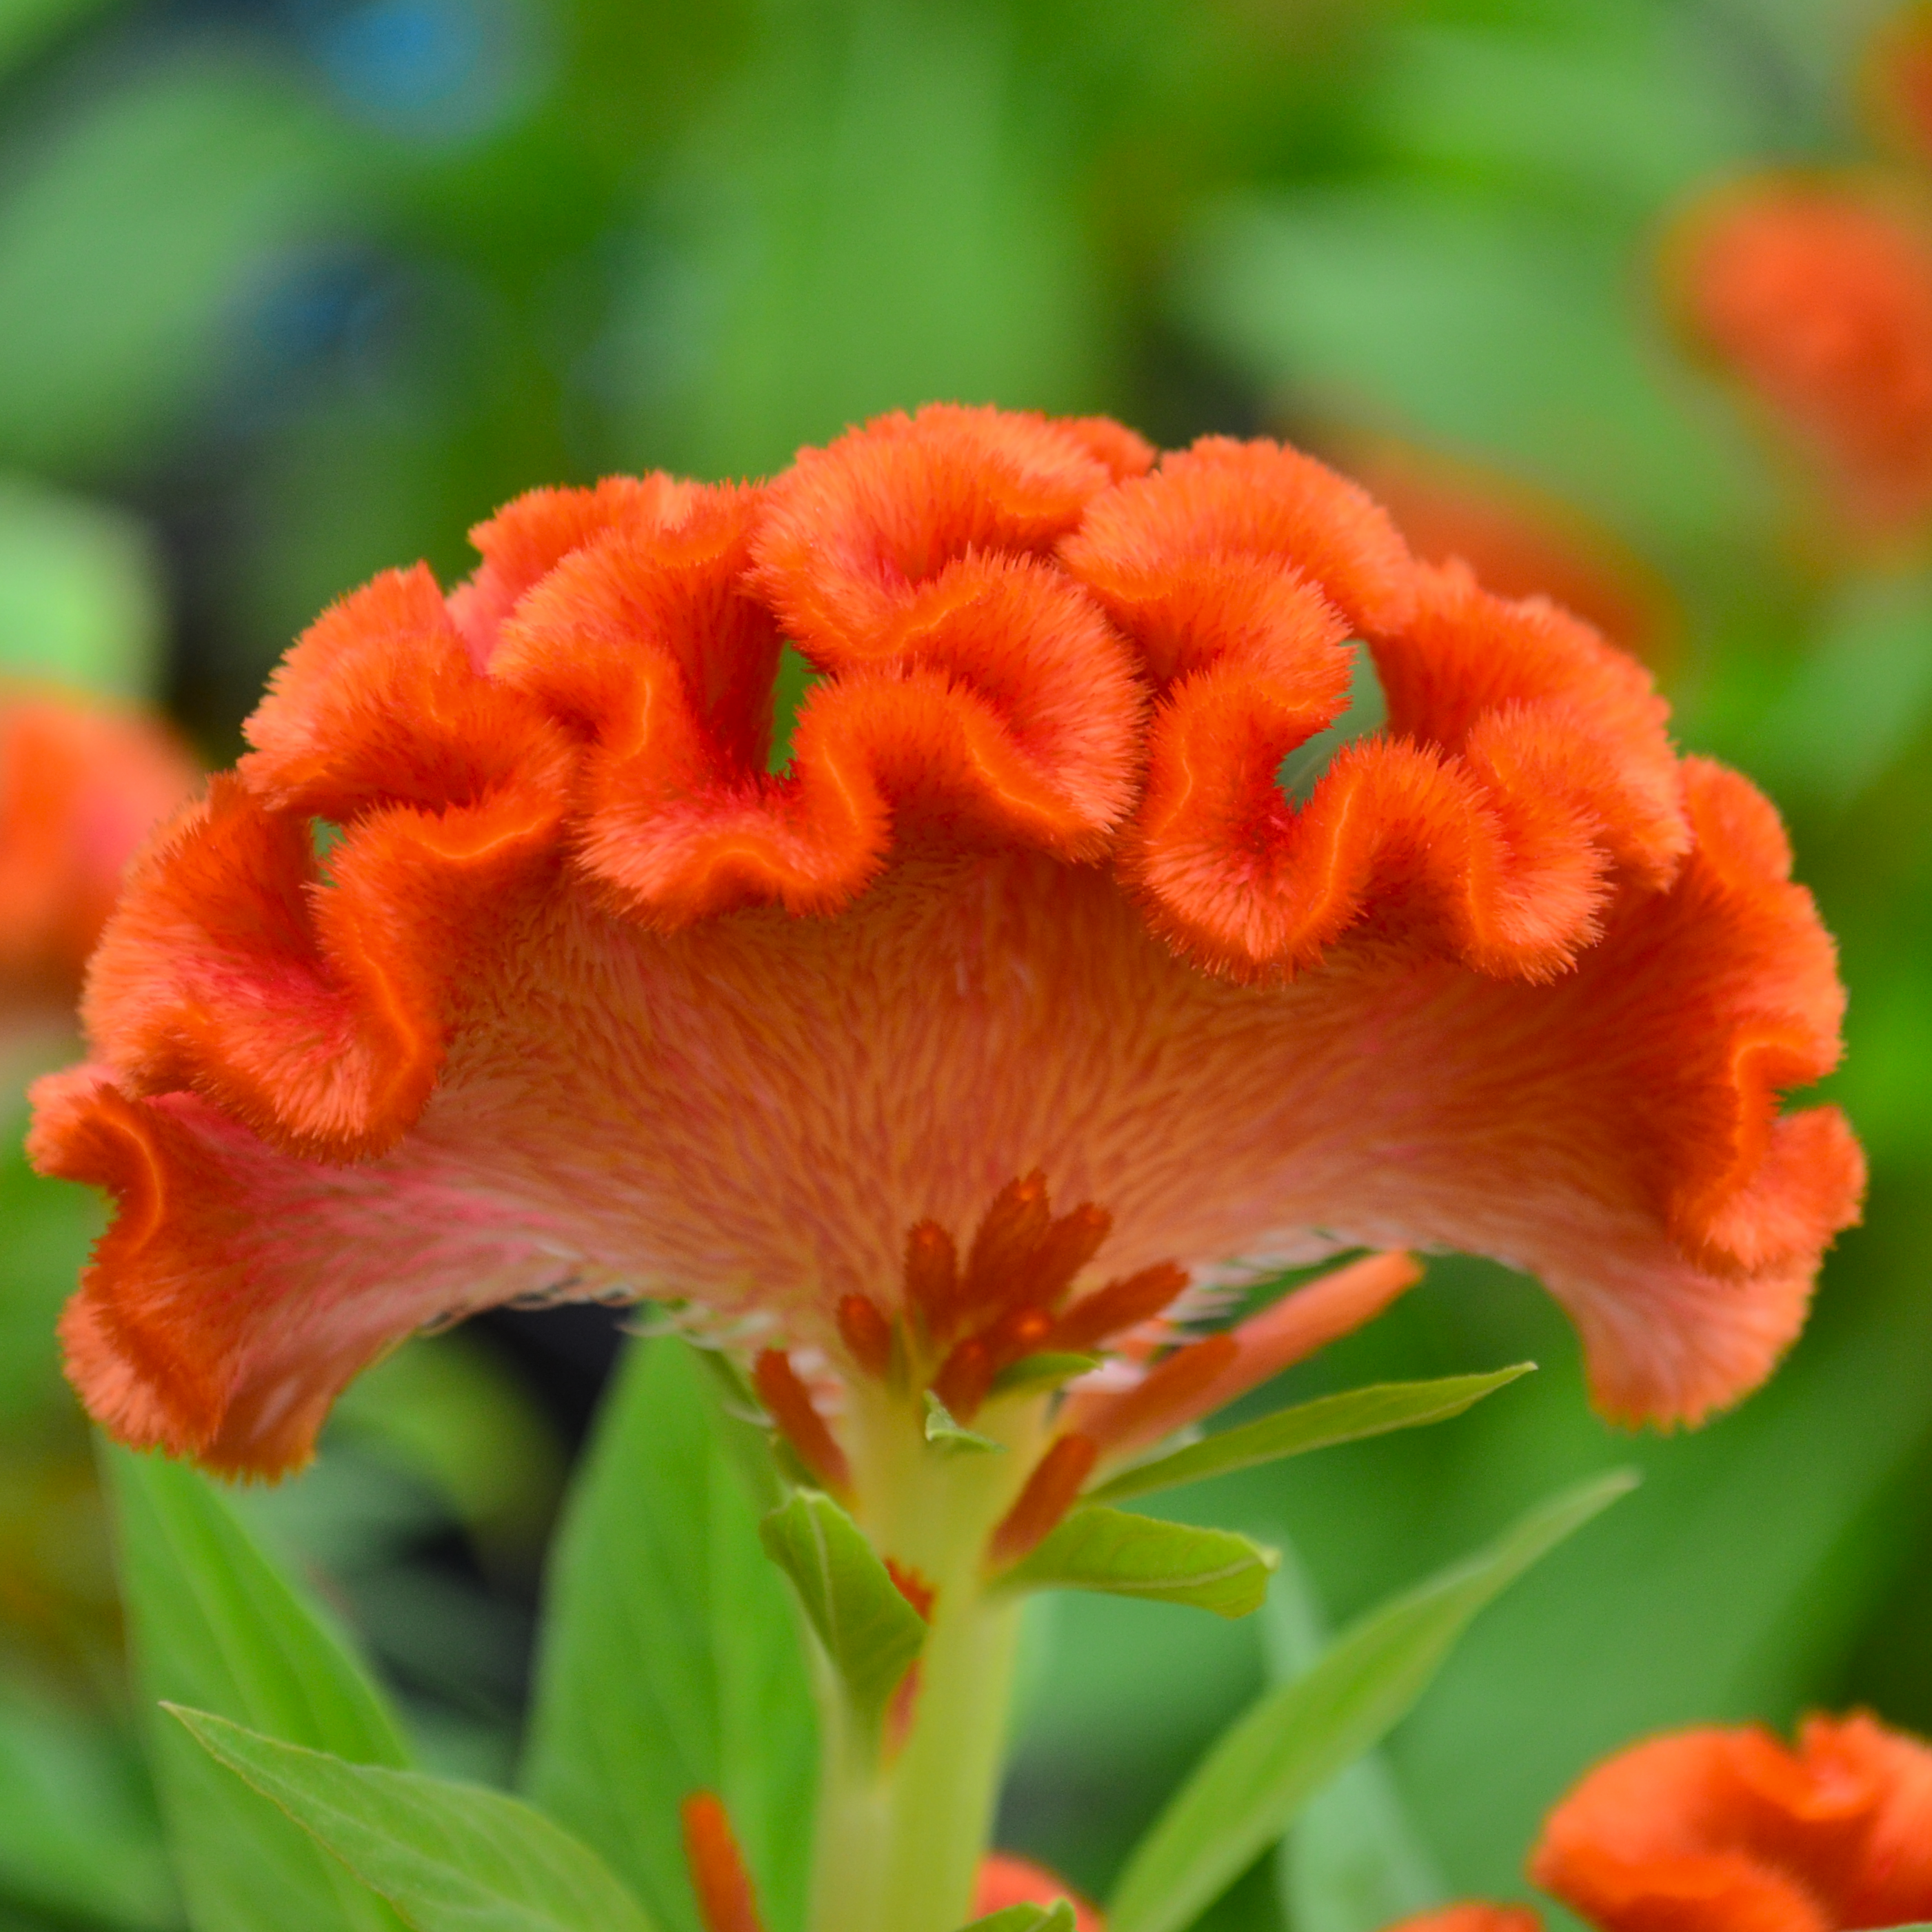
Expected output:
{"points": [[1029, 637]]}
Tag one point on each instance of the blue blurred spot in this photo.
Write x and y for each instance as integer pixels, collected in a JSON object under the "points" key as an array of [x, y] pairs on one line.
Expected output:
{"points": [[435, 69]]}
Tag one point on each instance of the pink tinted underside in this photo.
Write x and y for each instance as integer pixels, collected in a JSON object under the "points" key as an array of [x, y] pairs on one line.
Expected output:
{"points": [[753, 1111]]}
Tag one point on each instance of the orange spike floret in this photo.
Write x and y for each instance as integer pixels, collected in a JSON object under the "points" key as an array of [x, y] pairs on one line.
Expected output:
{"points": [[1050, 1491], [1169, 1395], [867, 1334], [931, 1275], [789, 1404], [726, 1902], [583, 998], [1729, 1831], [1120, 1305]]}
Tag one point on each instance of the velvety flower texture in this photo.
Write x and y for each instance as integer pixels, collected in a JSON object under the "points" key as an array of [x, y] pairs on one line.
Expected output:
{"points": [[579, 1000], [1728, 1830], [1817, 295]]}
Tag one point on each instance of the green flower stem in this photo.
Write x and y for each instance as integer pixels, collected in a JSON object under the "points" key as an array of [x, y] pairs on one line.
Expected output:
{"points": [[903, 1822]]}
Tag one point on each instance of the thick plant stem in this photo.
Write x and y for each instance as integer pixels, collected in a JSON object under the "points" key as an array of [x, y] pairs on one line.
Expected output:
{"points": [[904, 1819], [899, 1843]]}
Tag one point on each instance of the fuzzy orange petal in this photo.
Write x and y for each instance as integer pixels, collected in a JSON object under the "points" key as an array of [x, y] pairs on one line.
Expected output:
{"points": [[751, 1112], [1514, 982], [238, 1290]]}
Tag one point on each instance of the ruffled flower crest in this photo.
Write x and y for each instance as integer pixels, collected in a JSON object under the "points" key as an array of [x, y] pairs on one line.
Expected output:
{"points": [[502, 966]]}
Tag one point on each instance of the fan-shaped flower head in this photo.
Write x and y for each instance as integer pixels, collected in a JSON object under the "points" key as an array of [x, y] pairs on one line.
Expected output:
{"points": [[1728, 1831], [1818, 297], [579, 1000], [81, 785]]}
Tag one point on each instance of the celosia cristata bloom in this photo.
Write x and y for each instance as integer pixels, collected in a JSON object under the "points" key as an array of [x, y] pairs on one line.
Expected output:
{"points": [[1818, 298], [1728, 1831], [81, 785], [580, 1000]]}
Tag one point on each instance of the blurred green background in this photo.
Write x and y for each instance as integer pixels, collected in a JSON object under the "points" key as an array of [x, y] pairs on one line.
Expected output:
{"points": [[293, 290]]}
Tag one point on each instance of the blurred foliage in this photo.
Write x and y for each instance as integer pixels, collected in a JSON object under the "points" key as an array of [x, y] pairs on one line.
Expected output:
{"points": [[293, 290]]}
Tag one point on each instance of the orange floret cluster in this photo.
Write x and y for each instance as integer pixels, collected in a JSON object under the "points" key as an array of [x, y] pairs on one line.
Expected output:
{"points": [[501, 965], [1818, 297]]}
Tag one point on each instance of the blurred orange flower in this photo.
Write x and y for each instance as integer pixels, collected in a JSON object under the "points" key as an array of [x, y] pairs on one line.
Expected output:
{"points": [[1472, 1915], [1520, 542], [581, 1000], [1818, 297], [1897, 81], [1005, 1880], [1728, 1830], [81, 785]]}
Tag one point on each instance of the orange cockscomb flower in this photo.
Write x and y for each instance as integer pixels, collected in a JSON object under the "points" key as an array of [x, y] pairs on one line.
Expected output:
{"points": [[1027, 940], [1728, 1831], [1818, 297], [81, 785]]}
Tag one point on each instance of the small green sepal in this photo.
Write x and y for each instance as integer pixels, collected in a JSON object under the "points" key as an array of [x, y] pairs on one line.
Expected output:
{"points": [[1058, 1917], [1120, 1554], [944, 1432], [871, 1634]]}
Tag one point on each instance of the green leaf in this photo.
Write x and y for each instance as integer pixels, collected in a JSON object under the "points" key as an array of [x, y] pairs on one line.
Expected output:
{"points": [[1267, 1765], [869, 1631], [1058, 1917], [1312, 1425], [80, 592], [1032, 1373], [672, 1659], [79, 1837], [1351, 1861], [943, 1433], [216, 1624], [179, 177], [450, 1857], [1101, 1549]]}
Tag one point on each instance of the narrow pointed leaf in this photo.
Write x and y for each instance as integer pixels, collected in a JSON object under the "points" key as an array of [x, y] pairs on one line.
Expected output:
{"points": [[215, 1623], [450, 1857], [1265, 1767], [869, 1631], [672, 1660], [1124, 1555], [944, 1432], [1348, 1417], [1351, 1861], [1058, 1917]]}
